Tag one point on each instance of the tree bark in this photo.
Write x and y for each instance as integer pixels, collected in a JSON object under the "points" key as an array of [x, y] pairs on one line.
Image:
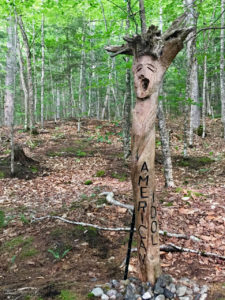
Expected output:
{"points": [[10, 84], [192, 91], [34, 72], [23, 83], [29, 73], [222, 72], [153, 54], [127, 100], [42, 70], [167, 162], [142, 16]]}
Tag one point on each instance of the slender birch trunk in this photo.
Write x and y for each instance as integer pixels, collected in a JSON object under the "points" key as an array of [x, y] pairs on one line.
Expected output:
{"points": [[35, 73], [57, 104], [10, 84], [204, 96], [222, 67], [42, 70], [167, 162], [23, 83], [193, 72], [165, 143], [29, 73], [126, 122]]}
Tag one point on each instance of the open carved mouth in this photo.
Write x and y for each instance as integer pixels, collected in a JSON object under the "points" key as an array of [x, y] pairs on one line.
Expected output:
{"points": [[145, 83]]}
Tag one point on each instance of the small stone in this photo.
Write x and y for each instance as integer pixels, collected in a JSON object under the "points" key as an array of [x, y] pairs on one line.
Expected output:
{"points": [[172, 288], [164, 280], [181, 290], [186, 298], [168, 294], [125, 282], [160, 297], [113, 297], [189, 291], [204, 289], [203, 297], [197, 297], [119, 296], [111, 293], [196, 288], [104, 297], [158, 290], [139, 298], [146, 295], [115, 283], [97, 292], [130, 292]]}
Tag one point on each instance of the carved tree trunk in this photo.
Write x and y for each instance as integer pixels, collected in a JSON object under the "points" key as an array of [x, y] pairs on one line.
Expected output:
{"points": [[153, 54]]}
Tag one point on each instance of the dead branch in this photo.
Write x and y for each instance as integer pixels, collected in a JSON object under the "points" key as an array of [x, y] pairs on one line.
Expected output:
{"points": [[162, 232], [174, 248], [80, 223], [111, 200]]}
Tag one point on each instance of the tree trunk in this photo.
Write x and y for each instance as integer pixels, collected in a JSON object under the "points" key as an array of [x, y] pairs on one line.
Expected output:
{"points": [[222, 72], [29, 73], [42, 70], [127, 100], [153, 54], [204, 96], [167, 162], [192, 89], [10, 83], [165, 142], [142, 16], [23, 83], [34, 72]]}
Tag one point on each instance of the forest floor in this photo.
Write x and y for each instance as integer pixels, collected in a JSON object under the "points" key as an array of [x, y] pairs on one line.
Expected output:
{"points": [[50, 259]]}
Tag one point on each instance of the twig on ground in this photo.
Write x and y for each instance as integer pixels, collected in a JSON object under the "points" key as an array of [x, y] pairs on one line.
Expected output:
{"points": [[174, 248], [111, 200], [162, 232]]}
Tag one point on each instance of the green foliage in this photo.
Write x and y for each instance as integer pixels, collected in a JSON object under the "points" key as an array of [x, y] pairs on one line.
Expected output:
{"points": [[57, 253], [88, 182], [24, 219], [91, 296], [2, 175], [81, 153], [67, 295], [4, 220], [121, 177], [100, 173]]}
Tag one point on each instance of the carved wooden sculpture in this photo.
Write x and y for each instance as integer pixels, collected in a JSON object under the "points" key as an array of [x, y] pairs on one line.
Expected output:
{"points": [[153, 53]]}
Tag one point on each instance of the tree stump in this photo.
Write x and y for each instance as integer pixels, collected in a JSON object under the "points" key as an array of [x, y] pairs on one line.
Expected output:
{"points": [[153, 53]]}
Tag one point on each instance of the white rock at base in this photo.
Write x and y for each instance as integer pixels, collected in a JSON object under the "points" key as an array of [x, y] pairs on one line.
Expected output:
{"points": [[181, 290], [160, 297], [204, 289], [104, 297], [146, 295], [97, 292], [203, 297], [186, 298]]}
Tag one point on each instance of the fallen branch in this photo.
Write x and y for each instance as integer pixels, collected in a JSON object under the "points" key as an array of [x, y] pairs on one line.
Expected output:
{"points": [[111, 200], [80, 223], [174, 248], [162, 232]]}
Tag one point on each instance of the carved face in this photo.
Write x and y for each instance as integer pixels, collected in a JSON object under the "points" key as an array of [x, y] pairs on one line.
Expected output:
{"points": [[144, 77]]}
